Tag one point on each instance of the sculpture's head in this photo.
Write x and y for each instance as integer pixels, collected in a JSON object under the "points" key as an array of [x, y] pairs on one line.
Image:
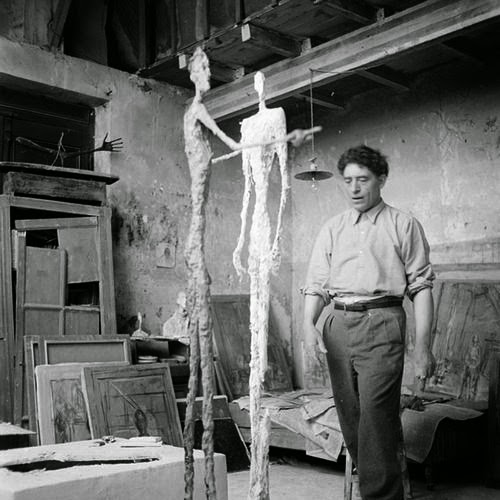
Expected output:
{"points": [[199, 70], [258, 83]]}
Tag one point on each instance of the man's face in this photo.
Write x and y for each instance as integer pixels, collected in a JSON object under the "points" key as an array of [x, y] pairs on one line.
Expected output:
{"points": [[363, 186]]}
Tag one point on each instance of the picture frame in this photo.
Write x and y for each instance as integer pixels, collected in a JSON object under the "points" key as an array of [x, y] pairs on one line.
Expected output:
{"points": [[62, 411], [84, 349], [131, 401], [39, 350]]}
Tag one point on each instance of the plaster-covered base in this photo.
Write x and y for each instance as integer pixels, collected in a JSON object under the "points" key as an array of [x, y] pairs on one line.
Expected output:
{"points": [[163, 478]]}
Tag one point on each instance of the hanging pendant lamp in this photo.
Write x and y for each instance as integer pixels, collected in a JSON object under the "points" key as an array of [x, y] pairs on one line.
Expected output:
{"points": [[312, 174]]}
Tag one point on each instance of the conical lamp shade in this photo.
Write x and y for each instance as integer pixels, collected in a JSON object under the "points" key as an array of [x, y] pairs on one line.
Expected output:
{"points": [[313, 174]]}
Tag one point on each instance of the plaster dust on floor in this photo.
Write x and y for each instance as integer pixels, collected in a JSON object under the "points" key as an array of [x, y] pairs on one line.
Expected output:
{"points": [[298, 477]]}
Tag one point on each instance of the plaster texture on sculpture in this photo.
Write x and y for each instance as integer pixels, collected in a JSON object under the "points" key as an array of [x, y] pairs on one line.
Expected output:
{"points": [[177, 326], [197, 124], [266, 126], [264, 141]]}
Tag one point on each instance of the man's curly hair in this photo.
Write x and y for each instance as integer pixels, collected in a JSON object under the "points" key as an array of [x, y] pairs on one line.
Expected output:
{"points": [[364, 156]]}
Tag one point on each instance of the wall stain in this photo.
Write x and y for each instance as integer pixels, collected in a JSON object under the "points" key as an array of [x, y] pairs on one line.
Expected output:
{"points": [[129, 221], [491, 124], [141, 226]]}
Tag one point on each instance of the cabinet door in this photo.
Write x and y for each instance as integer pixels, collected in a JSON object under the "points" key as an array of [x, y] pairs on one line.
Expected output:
{"points": [[57, 290], [41, 284]]}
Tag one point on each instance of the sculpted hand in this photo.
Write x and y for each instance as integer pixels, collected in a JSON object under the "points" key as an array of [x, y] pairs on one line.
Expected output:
{"points": [[313, 338], [113, 145]]}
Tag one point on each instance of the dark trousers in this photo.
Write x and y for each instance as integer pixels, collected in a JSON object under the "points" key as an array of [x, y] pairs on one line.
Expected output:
{"points": [[365, 359]]}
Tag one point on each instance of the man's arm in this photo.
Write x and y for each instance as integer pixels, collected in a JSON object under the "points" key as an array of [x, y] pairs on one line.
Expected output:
{"points": [[423, 306], [313, 305]]}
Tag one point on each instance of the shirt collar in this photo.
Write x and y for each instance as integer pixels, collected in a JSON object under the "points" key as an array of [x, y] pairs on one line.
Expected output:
{"points": [[372, 214]]}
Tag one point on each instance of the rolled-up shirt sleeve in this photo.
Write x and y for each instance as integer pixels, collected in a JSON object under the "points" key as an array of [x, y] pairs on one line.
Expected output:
{"points": [[318, 272], [415, 256]]}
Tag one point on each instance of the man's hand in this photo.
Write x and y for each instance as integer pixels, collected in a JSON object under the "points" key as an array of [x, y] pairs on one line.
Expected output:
{"points": [[424, 363], [424, 360], [313, 338]]}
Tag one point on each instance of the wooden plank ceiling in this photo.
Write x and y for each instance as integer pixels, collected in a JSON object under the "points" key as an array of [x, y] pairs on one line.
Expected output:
{"points": [[355, 45], [338, 48]]}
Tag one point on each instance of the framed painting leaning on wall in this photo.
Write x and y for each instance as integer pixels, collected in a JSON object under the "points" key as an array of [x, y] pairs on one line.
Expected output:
{"points": [[62, 413], [130, 401]]}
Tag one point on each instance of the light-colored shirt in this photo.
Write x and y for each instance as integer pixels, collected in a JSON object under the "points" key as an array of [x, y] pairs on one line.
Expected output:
{"points": [[366, 255]]}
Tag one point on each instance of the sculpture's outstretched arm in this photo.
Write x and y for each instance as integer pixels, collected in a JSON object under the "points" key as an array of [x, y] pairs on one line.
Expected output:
{"points": [[297, 137], [112, 146], [205, 118], [243, 215], [285, 186]]}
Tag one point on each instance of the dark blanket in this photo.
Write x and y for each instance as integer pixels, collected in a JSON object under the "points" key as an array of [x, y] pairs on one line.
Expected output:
{"points": [[419, 427]]}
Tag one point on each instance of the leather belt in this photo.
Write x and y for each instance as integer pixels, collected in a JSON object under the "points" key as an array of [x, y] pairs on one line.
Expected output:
{"points": [[371, 304]]}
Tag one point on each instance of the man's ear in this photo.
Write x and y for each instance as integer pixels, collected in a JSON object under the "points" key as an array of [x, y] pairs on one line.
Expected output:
{"points": [[381, 179]]}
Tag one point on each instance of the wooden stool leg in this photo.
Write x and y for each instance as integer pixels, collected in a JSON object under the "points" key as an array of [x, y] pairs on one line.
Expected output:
{"points": [[429, 477], [407, 491], [351, 483], [348, 477]]}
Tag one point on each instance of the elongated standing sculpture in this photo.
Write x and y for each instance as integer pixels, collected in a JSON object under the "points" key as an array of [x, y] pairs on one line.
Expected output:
{"points": [[266, 126], [197, 123]]}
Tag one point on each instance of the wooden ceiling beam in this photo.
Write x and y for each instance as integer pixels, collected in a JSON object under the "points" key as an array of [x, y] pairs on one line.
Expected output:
{"points": [[270, 40], [323, 101], [356, 10], [385, 76], [464, 51], [425, 23], [218, 71], [224, 73], [56, 26]]}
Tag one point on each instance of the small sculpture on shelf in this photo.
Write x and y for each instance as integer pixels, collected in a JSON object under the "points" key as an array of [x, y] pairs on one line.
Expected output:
{"points": [[176, 327], [113, 146], [139, 333]]}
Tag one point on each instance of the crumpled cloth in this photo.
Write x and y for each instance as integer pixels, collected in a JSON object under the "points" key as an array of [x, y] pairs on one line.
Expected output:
{"points": [[310, 413], [313, 415]]}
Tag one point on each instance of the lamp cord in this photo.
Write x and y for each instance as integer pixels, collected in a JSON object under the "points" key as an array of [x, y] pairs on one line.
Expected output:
{"points": [[311, 108]]}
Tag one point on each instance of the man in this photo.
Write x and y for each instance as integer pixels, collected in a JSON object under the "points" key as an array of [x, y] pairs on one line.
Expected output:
{"points": [[365, 260]]}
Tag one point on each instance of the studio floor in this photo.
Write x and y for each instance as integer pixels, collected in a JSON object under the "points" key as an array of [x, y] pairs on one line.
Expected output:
{"points": [[297, 477]]}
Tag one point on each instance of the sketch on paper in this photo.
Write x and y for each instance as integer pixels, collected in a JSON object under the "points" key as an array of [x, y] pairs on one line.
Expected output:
{"points": [[61, 412], [70, 416], [466, 319], [131, 401], [133, 414]]}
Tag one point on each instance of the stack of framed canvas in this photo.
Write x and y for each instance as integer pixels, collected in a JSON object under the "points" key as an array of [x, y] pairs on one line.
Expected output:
{"points": [[85, 388]]}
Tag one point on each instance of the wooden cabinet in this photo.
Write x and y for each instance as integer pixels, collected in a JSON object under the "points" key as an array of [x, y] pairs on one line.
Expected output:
{"points": [[56, 265]]}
